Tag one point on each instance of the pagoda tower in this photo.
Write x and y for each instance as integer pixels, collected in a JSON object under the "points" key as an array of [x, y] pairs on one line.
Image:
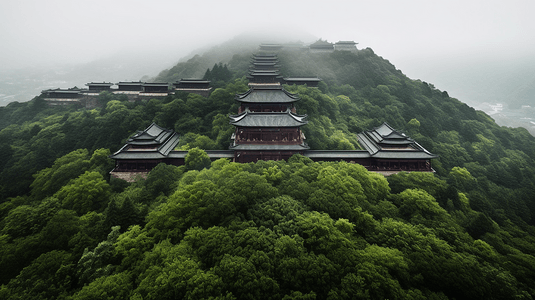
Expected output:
{"points": [[264, 70], [267, 126]]}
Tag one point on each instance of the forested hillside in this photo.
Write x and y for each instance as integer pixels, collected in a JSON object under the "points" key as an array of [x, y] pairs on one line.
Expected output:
{"points": [[268, 230]]}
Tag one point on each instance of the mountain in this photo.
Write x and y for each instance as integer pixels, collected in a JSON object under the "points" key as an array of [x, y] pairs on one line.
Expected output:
{"points": [[272, 229]]}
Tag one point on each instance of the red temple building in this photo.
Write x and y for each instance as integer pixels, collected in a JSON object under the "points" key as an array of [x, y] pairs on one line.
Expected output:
{"points": [[267, 127], [146, 149]]}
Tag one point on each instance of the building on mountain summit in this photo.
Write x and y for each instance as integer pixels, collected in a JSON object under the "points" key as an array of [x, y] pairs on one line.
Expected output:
{"points": [[321, 46], [97, 87], [345, 46], [62, 96], [267, 127]]}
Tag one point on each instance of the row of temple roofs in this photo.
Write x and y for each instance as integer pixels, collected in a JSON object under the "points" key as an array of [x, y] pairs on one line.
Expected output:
{"points": [[318, 46], [267, 127]]}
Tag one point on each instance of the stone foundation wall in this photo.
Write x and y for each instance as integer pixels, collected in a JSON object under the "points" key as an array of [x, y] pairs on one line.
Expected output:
{"points": [[129, 176]]}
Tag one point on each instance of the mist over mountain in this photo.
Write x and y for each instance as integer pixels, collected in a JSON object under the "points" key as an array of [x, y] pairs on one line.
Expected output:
{"points": [[295, 229], [22, 84], [503, 88], [25, 83], [478, 81]]}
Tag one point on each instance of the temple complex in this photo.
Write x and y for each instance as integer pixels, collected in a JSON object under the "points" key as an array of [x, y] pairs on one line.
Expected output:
{"points": [[318, 46], [267, 127], [135, 90]]}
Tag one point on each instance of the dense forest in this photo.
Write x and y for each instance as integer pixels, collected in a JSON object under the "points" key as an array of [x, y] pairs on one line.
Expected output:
{"points": [[267, 230]]}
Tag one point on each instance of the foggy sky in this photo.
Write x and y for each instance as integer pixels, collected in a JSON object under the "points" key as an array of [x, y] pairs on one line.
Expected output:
{"points": [[411, 33]]}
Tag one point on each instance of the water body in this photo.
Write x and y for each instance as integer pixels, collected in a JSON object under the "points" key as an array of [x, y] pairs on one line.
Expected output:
{"points": [[523, 117]]}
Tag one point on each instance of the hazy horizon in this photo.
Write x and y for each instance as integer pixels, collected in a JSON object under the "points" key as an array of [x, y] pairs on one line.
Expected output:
{"points": [[62, 31], [452, 44]]}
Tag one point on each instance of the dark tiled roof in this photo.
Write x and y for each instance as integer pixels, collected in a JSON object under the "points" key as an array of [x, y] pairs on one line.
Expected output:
{"points": [[157, 141], [255, 72], [264, 56], [386, 142], [152, 135], [267, 119], [99, 84], [169, 144], [322, 44], [267, 94], [156, 84], [193, 80], [404, 154], [346, 43], [265, 63], [138, 83]]}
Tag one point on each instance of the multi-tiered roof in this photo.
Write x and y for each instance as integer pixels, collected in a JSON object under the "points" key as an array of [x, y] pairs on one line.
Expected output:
{"points": [[267, 126], [268, 119], [154, 142], [386, 142], [264, 70], [266, 98]]}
